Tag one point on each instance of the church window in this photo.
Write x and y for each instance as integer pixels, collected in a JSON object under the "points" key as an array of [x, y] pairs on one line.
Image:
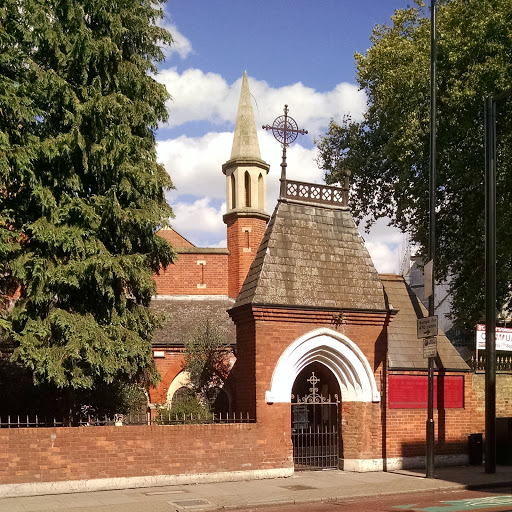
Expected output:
{"points": [[202, 283], [247, 241], [261, 193], [247, 190], [233, 191]]}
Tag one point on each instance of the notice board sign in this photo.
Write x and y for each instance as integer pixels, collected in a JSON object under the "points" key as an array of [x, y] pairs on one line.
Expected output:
{"points": [[503, 338], [411, 391]]}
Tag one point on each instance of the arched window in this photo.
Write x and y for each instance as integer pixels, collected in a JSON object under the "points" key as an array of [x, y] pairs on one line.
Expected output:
{"points": [[261, 193], [233, 192], [247, 190]]}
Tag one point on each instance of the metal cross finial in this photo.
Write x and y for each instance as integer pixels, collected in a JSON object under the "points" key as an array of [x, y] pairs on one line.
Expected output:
{"points": [[285, 130], [314, 380]]}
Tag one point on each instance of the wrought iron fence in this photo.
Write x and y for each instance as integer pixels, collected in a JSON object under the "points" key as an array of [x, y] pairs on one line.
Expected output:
{"points": [[165, 417], [503, 363]]}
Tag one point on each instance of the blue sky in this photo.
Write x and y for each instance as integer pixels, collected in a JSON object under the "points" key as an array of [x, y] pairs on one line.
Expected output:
{"points": [[294, 51]]}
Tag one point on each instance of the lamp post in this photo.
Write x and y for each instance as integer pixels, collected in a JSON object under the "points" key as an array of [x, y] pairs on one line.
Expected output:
{"points": [[490, 278]]}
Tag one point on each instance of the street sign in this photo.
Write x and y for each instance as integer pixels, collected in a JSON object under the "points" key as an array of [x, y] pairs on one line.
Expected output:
{"points": [[427, 327], [430, 347]]}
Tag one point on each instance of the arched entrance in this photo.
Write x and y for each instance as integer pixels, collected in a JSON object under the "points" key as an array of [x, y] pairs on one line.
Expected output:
{"points": [[316, 419], [341, 366]]}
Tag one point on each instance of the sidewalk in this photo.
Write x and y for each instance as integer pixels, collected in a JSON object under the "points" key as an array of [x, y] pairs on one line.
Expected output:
{"points": [[307, 486]]}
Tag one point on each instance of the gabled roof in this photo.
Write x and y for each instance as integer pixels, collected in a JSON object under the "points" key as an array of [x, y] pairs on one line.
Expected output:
{"points": [[174, 238], [405, 350], [183, 313], [312, 256]]}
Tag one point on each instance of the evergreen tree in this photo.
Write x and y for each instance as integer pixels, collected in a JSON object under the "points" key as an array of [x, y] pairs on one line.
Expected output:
{"points": [[88, 199], [388, 151]]}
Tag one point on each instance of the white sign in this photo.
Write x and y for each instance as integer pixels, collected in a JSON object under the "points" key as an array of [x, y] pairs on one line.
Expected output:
{"points": [[503, 338], [430, 347], [427, 327]]}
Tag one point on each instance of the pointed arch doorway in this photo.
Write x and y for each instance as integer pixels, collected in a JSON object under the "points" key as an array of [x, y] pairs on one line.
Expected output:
{"points": [[316, 419]]}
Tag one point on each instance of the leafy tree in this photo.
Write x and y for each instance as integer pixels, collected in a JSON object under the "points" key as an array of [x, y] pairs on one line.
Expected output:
{"points": [[81, 188], [387, 151], [206, 360]]}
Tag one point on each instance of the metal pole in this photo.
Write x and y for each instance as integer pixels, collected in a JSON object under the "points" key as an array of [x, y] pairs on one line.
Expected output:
{"points": [[430, 426], [490, 284]]}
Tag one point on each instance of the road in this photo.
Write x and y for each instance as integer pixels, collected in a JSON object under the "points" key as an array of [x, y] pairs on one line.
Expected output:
{"points": [[489, 500]]}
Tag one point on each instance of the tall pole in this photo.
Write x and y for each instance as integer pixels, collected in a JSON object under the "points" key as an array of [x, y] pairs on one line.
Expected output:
{"points": [[490, 284], [430, 427]]}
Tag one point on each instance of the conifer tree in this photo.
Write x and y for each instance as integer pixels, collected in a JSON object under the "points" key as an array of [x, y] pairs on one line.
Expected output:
{"points": [[88, 199]]}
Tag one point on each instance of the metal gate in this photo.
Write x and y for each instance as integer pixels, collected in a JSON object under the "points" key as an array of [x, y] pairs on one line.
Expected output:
{"points": [[315, 434]]}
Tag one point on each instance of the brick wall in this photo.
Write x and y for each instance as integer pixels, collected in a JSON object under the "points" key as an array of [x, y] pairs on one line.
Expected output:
{"points": [[262, 336], [58, 454], [404, 429], [194, 274], [503, 395], [244, 237], [168, 367]]}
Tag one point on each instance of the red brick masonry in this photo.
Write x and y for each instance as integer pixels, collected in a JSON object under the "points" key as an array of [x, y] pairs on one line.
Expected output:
{"points": [[58, 454]]}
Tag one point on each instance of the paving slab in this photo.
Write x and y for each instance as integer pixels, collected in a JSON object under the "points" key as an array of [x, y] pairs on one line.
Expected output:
{"points": [[307, 486]]}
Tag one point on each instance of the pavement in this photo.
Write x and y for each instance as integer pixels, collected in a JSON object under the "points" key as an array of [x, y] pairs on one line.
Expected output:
{"points": [[302, 487]]}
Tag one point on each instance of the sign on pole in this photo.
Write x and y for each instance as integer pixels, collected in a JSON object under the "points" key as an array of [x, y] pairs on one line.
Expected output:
{"points": [[429, 347], [427, 327]]}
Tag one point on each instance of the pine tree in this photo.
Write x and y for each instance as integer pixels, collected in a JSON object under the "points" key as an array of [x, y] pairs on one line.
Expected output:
{"points": [[88, 203]]}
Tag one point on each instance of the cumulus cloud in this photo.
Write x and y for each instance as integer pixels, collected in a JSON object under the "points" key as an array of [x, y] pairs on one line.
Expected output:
{"points": [[181, 45], [199, 96], [200, 222]]}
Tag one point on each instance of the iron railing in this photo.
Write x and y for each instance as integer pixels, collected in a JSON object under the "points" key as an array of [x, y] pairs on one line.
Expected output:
{"points": [[164, 417], [503, 363]]}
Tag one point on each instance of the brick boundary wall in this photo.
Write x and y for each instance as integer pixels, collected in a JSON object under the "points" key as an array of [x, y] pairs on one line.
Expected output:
{"points": [[118, 454]]}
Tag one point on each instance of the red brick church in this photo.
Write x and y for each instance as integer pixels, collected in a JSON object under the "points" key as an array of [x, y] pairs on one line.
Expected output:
{"points": [[321, 342]]}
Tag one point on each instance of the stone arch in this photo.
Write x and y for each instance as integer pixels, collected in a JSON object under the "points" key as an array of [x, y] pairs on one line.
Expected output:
{"points": [[338, 353], [181, 380]]}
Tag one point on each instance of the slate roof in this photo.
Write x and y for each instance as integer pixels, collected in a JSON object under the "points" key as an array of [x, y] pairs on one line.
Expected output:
{"points": [[183, 313], [312, 256], [405, 350]]}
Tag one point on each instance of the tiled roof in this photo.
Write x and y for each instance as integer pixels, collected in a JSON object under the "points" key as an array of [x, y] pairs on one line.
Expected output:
{"points": [[182, 314], [312, 255], [405, 350]]}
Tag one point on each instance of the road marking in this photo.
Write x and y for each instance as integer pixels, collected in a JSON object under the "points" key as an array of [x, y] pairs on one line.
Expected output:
{"points": [[488, 502]]}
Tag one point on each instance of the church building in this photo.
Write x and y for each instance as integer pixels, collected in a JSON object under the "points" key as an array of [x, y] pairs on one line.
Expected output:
{"points": [[325, 350]]}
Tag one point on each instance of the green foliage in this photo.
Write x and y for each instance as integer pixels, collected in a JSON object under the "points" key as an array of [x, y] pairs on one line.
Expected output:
{"points": [[82, 194], [388, 151], [206, 359], [187, 410]]}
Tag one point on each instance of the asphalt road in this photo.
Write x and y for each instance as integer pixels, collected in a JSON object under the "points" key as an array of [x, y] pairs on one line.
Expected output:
{"points": [[489, 500]]}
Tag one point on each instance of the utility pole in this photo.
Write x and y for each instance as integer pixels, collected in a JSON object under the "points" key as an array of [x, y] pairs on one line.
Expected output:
{"points": [[430, 426], [490, 278]]}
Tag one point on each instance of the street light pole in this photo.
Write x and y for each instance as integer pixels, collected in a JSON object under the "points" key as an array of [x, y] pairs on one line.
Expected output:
{"points": [[430, 426], [490, 278]]}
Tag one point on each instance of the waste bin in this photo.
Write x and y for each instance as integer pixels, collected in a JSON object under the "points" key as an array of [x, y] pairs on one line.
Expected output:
{"points": [[475, 445]]}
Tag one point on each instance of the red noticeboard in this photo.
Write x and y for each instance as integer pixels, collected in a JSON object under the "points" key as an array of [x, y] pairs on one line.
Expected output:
{"points": [[411, 392]]}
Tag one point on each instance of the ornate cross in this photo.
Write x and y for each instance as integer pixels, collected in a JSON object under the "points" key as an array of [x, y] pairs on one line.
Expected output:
{"points": [[285, 130], [313, 379]]}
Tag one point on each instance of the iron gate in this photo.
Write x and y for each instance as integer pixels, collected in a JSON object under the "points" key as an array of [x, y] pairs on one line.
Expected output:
{"points": [[315, 432]]}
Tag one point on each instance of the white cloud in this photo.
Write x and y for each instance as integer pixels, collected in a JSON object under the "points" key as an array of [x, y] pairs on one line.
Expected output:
{"points": [[199, 96], [200, 222], [181, 45]]}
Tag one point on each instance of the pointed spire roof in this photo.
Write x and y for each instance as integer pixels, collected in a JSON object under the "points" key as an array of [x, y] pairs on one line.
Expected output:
{"points": [[245, 139]]}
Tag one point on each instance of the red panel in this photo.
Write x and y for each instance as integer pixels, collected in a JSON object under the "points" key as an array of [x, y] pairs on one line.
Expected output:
{"points": [[411, 392]]}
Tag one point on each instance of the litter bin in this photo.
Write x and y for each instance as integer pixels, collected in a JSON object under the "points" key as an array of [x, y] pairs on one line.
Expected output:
{"points": [[475, 445]]}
